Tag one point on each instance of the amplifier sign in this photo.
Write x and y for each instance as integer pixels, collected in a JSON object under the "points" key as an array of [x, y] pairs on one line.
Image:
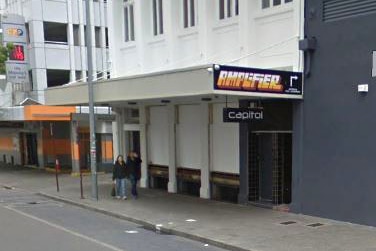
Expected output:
{"points": [[242, 114], [243, 79]]}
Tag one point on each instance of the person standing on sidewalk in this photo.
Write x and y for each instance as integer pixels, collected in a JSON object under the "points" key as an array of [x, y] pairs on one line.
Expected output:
{"points": [[134, 168], [119, 174]]}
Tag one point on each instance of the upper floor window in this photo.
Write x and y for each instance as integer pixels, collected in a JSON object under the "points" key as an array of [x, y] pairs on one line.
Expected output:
{"points": [[228, 8], [189, 13], [97, 31], [268, 3], [55, 33], [128, 20], [157, 17]]}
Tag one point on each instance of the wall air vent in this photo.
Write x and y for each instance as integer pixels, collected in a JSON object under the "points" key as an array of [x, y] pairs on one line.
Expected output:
{"points": [[335, 10]]}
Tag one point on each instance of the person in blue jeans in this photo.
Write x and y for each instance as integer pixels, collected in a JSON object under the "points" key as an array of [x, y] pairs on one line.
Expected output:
{"points": [[133, 165], [119, 173]]}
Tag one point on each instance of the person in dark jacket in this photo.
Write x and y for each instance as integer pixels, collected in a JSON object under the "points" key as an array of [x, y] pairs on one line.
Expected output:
{"points": [[119, 174], [134, 169]]}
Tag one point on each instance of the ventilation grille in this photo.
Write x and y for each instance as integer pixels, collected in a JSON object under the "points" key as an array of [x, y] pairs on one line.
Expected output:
{"points": [[341, 9]]}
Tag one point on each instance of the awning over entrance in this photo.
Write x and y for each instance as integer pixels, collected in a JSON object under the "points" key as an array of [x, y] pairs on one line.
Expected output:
{"points": [[189, 82], [37, 113]]}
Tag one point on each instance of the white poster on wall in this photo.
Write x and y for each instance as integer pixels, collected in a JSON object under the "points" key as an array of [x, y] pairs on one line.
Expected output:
{"points": [[374, 64]]}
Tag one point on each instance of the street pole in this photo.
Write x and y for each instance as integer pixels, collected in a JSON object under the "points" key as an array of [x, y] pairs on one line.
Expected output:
{"points": [[93, 148]]}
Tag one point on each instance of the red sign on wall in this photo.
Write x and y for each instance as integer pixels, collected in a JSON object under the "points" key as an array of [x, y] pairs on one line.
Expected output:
{"points": [[18, 53]]}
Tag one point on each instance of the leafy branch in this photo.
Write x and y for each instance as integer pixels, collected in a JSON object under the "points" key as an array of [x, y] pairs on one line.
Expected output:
{"points": [[4, 55]]}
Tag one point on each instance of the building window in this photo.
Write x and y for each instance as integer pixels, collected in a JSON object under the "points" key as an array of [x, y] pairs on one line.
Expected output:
{"points": [[99, 75], [128, 20], [31, 79], [27, 28], [157, 17], [76, 35], [57, 77], [268, 3], [55, 33], [98, 43], [189, 13], [79, 76], [228, 8], [106, 36]]}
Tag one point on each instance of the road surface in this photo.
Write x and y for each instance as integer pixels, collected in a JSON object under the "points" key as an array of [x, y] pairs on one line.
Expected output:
{"points": [[34, 223]]}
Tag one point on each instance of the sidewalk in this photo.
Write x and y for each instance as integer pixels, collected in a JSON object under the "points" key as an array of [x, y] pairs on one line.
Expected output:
{"points": [[227, 225]]}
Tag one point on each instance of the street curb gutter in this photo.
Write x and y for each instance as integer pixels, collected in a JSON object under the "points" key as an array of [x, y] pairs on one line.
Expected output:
{"points": [[145, 223]]}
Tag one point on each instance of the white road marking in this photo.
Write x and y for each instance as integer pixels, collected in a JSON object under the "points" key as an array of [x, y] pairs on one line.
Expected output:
{"points": [[65, 230], [190, 220], [131, 232]]}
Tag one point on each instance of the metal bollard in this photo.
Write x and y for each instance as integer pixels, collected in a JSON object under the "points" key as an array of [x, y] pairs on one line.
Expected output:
{"points": [[81, 185], [57, 169]]}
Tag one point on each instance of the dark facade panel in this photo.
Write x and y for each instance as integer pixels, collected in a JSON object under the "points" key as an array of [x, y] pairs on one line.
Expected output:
{"points": [[336, 178]]}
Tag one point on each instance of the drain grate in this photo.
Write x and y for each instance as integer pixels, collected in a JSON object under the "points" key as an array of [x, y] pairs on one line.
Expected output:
{"points": [[315, 225], [287, 223]]}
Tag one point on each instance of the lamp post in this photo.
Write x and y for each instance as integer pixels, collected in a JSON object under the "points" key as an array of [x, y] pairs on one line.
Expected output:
{"points": [[93, 147]]}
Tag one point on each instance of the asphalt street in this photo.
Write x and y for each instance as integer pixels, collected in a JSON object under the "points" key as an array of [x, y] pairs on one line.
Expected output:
{"points": [[34, 223]]}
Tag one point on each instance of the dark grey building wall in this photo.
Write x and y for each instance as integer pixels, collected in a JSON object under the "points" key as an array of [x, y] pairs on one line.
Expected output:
{"points": [[337, 176]]}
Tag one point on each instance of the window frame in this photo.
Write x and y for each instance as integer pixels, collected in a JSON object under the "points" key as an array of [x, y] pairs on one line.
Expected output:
{"points": [[272, 3], [128, 21], [157, 18], [189, 19], [230, 9]]}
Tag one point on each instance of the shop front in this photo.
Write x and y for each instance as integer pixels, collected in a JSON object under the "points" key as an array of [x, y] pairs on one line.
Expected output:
{"points": [[266, 132], [196, 129]]}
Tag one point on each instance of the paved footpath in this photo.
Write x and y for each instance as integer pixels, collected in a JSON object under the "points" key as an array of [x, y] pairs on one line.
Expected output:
{"points": [[230, 226]]}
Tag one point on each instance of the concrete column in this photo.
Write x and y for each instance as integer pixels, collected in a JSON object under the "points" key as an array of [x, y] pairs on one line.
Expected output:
{"points": [[144, 121], [75, 147], [104, 68], [82, 40], [93, 48], [172, 185], [243, 158], [116, 132], [205, 38], [71, 42], [205, 140]]}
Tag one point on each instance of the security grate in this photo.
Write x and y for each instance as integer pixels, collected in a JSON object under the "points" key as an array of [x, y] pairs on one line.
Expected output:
{"points": [[254, 167], [334, 10], [281, 167]]}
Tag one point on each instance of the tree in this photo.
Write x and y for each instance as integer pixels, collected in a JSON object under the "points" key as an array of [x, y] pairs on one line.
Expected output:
{"points": [[4, 55]]}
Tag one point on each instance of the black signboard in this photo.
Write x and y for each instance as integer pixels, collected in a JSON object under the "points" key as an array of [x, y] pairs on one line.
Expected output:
{"points": [[233, 78], [242, 114]]}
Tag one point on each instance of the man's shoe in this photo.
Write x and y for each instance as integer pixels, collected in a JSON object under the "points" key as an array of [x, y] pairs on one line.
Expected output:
{"points": [[124, 197]]}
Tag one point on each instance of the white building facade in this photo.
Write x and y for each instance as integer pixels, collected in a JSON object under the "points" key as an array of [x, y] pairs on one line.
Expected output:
{"points": [[162, 84], [57, 43], [55, 54]]}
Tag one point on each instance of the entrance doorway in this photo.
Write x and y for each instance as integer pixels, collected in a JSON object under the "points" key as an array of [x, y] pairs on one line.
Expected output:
{"points": [[270, 167], [132, 141], [84, 150], [29, 149]]}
